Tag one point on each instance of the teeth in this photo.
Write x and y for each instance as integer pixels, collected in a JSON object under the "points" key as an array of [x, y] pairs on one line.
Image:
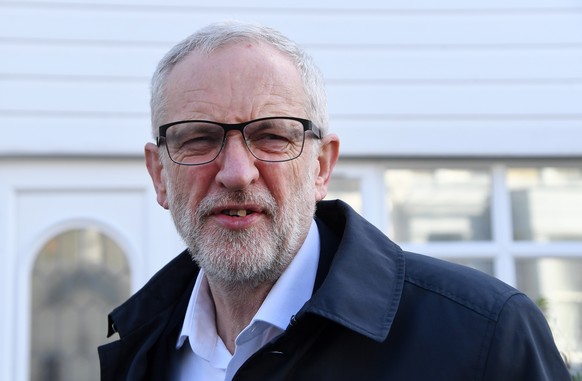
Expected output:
{"points": [[240, 212]]}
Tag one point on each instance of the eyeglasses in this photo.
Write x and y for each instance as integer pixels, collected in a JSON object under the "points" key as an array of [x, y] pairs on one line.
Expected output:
{"points": [[273, 139]]}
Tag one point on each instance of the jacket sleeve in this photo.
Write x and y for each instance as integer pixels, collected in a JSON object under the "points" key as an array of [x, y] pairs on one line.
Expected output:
{"points": [[522, 346]]}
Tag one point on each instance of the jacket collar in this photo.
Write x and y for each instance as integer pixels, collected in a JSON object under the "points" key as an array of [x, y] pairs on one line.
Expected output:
{"points": [[365, 272], [159, 296]]}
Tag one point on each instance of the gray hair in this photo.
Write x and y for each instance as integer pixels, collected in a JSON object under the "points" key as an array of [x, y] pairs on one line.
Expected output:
{"points": [[216, 35]]}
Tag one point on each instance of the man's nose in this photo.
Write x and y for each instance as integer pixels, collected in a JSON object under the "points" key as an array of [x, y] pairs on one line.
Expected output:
{"points": [[237, 168]]}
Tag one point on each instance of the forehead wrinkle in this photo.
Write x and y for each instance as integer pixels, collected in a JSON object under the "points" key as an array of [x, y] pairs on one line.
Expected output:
{"points": [[224, 93], [280, 96], [195, 106]]}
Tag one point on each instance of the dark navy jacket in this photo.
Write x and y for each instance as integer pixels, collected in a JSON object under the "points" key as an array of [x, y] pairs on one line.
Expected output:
{"points": [[377, 313]]}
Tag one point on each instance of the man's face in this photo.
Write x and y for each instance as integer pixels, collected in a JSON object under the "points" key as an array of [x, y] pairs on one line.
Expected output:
{"points": [[243, 219]]}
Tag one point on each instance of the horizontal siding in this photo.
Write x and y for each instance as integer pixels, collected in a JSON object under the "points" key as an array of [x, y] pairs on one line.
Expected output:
{"points": [[443, 137], [309, 28], [454, 65], [67, 62], [92, 135], [362, 64], [124, 98], [409, 69], [447, 100], [381, 99], [329, 5]]}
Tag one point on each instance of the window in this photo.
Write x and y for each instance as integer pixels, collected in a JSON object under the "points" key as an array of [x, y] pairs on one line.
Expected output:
{"points": [[347, 189], [520, 221], [555, 285], [439, 204], [546, 203], [78, 278]]}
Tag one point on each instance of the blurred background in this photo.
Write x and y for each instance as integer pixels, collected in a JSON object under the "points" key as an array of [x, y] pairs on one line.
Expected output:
{"points": [[461, 131]]}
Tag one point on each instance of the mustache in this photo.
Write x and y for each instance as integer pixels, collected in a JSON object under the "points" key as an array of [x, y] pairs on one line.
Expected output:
{"points": [[221, 200]]}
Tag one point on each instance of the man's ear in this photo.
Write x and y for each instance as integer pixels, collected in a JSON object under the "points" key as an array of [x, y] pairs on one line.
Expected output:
{"points": [[328, 154], [157, 173]]}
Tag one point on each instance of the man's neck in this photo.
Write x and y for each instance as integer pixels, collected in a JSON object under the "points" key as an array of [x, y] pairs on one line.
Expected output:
{"points": [[235, 307]]}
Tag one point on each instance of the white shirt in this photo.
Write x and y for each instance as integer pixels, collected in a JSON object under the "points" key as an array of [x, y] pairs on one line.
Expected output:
{"points": [[207, 358]]}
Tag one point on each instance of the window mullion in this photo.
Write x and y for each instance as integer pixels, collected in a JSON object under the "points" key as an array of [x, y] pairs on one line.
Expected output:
{"points": [[374, 198], [502, 225]]}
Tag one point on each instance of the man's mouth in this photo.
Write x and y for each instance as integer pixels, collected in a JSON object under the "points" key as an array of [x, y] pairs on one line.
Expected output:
{"points": [[237, 212]]}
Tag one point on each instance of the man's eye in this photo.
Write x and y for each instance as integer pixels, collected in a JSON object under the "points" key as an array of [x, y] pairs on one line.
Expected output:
{"points": [[268, 138], [201, 141], [270, 143], [273, 137]]}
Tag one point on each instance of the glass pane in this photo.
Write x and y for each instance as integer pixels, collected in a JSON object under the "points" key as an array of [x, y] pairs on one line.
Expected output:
{"points": [[78, 278], [439, 204], [482, 264], [555, 285], [346, 189], [546, 203]]}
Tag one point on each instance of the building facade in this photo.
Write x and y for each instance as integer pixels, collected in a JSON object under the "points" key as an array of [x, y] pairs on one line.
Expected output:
{"points": [[460, 127]]}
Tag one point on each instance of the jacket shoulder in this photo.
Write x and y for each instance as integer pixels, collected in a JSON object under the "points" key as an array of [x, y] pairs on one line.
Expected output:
{"points": [[467, 287]]}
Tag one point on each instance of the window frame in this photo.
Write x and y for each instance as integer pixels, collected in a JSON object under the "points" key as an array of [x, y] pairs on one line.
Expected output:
{"points": [[503, 250]]}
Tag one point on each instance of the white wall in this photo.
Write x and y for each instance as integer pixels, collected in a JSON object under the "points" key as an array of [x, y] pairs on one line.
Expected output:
{"points": [[447, 78]]}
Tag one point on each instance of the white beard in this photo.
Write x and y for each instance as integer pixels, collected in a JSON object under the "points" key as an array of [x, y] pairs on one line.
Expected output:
{"points": [[253, 256]]}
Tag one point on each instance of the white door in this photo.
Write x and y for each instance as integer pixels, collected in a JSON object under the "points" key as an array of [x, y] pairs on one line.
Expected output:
{"points": [[66, 225]]}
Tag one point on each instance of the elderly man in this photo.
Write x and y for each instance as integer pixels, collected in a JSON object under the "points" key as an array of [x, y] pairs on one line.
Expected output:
{"points": [[277, 284]]}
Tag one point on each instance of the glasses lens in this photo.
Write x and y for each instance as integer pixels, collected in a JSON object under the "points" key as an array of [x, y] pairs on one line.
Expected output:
{"points": [[194, 142], [277, 139]]}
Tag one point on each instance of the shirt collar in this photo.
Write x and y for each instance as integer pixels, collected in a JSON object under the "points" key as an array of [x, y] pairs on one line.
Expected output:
{"points": [[295, 286], [288, 295], [199, 320]]}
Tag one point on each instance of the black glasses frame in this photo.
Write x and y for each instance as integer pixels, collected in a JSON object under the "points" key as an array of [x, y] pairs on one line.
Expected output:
{"points": [[307, 124]]}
